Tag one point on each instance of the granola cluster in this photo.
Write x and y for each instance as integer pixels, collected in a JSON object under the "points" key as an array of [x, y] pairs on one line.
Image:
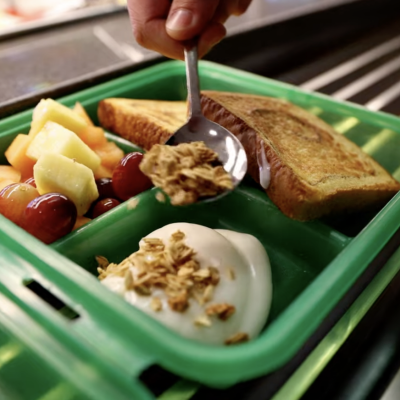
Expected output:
{"points": [[174, 269], [186, 172]]}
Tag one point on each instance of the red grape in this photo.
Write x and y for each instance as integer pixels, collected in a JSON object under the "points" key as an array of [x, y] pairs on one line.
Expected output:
{"points": [[31, 181], [50, 217], [105, 188], [14, 199], [103, 206], [128, 180]]}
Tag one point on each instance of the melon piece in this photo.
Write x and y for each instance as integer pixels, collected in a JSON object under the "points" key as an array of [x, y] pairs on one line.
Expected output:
{"points": [[80, 221], [93, 136], [50, 110], [110, 155], [8, 176], [60, 174], [10, 173], [103, 172], [79, 109], [16, 155], [54, 138], [5, 182]]}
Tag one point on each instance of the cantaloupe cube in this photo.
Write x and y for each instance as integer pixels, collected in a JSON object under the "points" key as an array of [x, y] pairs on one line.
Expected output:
{"points": [[54, 138], [110, 155], [7, 172], [103, 172], [5, 182], [79, 109], [59, 174], [8, 176], [50, 110], [80, 221], [16, 155], [93, 136]]}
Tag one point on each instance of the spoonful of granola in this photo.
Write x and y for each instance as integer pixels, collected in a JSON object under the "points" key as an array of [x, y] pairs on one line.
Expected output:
{"points": [[202, 161]]}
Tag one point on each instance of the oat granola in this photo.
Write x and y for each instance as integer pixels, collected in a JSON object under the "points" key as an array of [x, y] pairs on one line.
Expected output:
{"points": [[156, 304], [222, 311], [186, 172], [239, 337]]}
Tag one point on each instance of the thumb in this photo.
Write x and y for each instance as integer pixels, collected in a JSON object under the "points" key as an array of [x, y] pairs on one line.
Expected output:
{"points": [[188, 18]]}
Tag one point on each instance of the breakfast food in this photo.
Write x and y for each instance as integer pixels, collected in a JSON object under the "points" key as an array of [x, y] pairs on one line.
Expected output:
{"points": [[127, 178], [50, 110], [143, 122], [186, 172], [307, 169], [57, 208], [14, 199], [314, 171], [63, 174], [16, 155], [55, 173], [209, 285], [55, 139]]}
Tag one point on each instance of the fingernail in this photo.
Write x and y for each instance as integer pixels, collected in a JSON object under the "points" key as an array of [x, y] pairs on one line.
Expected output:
{"points": [[179, 20]]}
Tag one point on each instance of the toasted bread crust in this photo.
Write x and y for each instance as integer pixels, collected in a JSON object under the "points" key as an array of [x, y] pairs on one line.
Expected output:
{"points": [[332, 176], [314, 170], [143, 122]]}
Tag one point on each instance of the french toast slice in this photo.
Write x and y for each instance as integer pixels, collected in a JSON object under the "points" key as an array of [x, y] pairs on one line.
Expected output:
{"points": [[314, 171], [143, 122]]}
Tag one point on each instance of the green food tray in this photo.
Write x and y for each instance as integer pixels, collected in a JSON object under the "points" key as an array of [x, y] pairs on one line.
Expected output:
{"points": [[313, 264]]}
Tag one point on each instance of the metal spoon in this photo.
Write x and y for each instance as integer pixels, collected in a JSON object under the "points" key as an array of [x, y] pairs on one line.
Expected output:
{"points": [[198, 128]]}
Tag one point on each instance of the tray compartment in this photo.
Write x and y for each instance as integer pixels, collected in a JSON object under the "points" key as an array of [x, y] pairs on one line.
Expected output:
{"points": [[291, 245]]}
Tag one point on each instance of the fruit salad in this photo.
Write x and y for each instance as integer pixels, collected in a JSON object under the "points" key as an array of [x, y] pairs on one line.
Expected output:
{"points": [[64, 173]]}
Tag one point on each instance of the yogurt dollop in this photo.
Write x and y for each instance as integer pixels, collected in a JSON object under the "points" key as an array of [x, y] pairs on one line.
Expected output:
{"points": [[264, 167], [244, 283]]}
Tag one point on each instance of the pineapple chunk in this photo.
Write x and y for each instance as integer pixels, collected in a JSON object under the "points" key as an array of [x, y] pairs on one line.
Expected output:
{"points": [[55, 173], [54, 138], [50, 110]]}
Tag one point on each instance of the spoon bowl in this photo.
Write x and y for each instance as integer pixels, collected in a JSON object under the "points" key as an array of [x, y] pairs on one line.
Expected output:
{"points": [[198, 128]]}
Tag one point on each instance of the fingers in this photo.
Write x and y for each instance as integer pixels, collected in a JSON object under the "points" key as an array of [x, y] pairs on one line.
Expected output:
{"points": [[213, 34], [189, 18], [145, 13], [148, 24], [242, 7], [160, 25], [226, 8], [155, 37]]}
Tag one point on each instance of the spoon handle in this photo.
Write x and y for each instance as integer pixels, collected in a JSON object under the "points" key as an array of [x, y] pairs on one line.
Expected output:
{"points": [[192, 76]]}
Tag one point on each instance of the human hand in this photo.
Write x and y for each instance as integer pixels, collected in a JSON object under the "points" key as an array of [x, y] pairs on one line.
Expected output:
{"points": [[162, 25]]}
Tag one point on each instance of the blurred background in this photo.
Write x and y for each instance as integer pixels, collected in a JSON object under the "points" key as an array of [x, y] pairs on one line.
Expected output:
{"points": [[54, 45]]}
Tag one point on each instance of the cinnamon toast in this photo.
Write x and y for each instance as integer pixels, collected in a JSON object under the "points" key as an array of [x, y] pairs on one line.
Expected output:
{"points": [[314, 171], [143, 122]]}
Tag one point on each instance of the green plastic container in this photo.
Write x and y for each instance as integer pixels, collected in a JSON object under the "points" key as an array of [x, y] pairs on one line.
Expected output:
{"points": [[313, 264], [41, 360]]}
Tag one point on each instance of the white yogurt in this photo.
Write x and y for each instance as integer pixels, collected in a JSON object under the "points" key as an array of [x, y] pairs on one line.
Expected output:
{"points": [[263, 166], [250, 292]]}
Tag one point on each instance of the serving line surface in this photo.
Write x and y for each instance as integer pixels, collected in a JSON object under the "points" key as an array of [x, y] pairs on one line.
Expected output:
{"points": [[96, 42]]}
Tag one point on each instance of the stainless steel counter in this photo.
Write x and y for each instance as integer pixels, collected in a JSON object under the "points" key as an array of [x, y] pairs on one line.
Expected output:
{"points": [[100, 41]]}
